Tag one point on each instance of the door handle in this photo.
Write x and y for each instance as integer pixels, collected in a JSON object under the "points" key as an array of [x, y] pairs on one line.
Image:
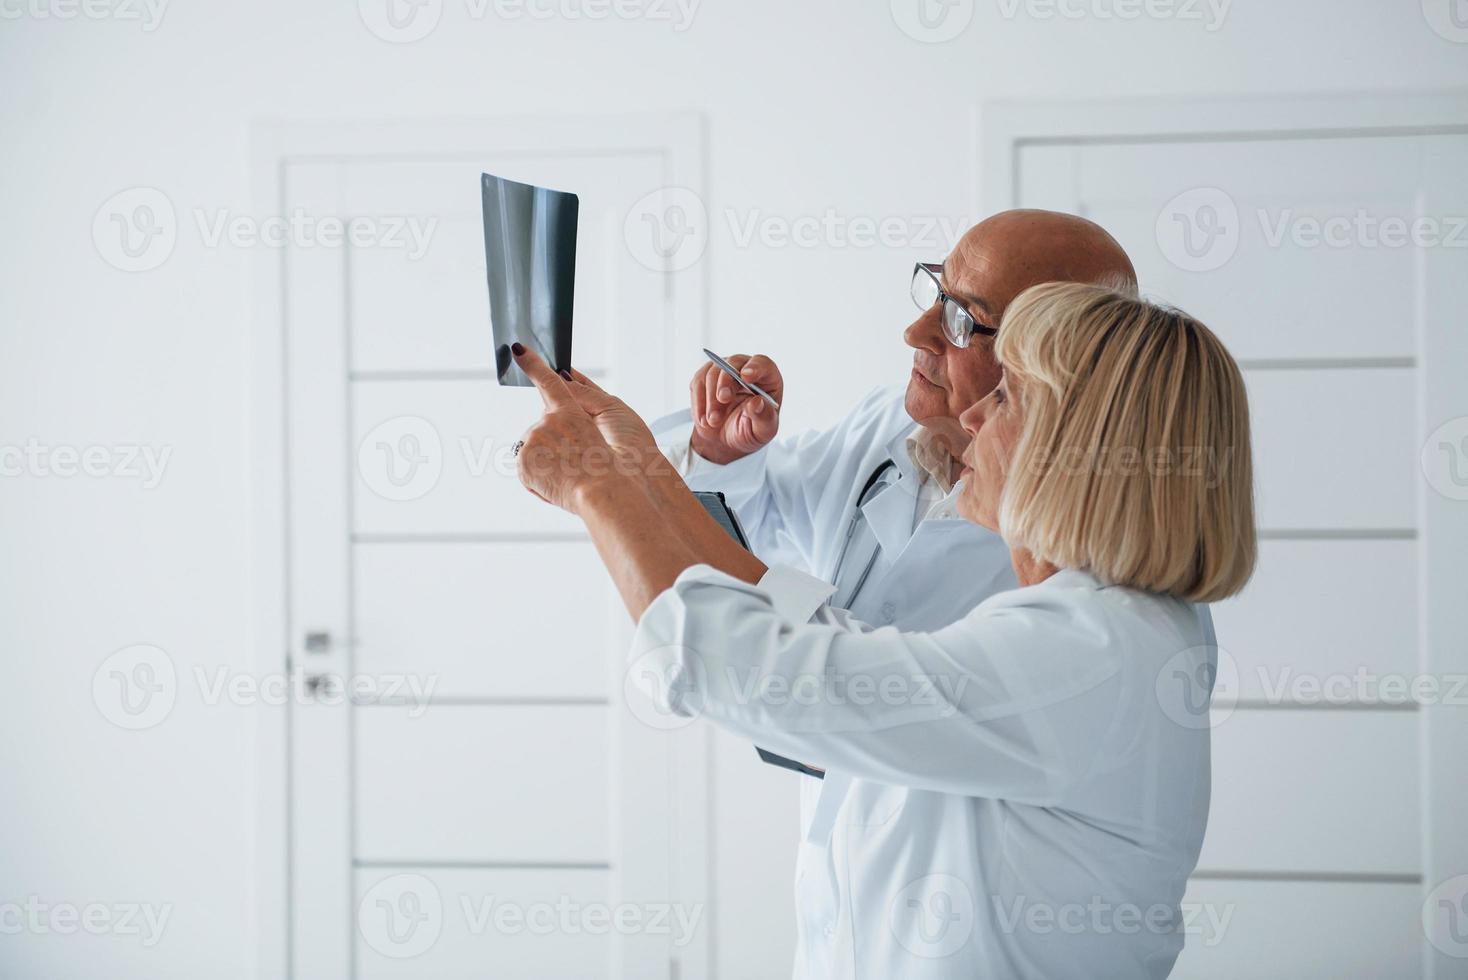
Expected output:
{"points": [[320, 686]]}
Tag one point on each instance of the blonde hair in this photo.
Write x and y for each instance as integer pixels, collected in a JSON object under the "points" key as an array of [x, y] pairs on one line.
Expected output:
{"points": [[1133, 462]]}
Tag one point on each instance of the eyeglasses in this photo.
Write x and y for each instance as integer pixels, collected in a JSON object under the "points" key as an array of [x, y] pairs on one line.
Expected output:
{"points": [[958, 326]]}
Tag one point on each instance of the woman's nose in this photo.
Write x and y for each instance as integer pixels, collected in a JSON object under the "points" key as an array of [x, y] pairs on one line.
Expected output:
{"points": [[972, 418]]}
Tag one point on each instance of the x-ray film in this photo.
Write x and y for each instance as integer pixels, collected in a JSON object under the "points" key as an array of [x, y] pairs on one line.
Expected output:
{"points": [[530, 263]]}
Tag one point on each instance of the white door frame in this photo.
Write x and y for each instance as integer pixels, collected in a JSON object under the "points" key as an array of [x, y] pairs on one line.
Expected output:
{"points": [[1002, 128], [679, 138]]}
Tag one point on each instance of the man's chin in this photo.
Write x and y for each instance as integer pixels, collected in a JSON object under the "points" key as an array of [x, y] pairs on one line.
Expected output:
{"points": [[924, 400]]}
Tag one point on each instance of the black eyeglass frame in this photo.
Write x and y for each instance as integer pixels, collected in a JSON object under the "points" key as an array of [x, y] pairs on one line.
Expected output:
{"points": [[962, 324]]}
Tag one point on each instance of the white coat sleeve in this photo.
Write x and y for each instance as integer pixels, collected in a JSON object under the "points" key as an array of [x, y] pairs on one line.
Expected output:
{"points": [[1009, 703], [792, 493]]}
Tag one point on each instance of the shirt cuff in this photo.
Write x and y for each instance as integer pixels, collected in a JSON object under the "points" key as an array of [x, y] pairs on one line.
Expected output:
{"points": [[739, 481], [673, 434], [795, 595]]}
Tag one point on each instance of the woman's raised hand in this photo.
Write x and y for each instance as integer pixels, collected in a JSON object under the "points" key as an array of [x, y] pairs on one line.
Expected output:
{"points": [[586, 438], [565, 454], [623, 428]]}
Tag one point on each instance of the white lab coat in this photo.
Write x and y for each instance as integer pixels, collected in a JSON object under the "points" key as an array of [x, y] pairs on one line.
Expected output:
{"points": [[797, 496], [1019, 794], [872, 826]]}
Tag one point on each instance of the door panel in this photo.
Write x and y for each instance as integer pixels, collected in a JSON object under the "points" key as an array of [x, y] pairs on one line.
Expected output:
{"points": [[516, 783], [434, 458], [1343, 300], [1334, 449], [427, 309], [1293, 620], [447, 611], [1286, 930], [1315, 791], [500, 923]]}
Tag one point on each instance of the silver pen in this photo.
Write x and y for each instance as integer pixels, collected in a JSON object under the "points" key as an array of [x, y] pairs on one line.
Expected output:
{"points": [[733, 372]]}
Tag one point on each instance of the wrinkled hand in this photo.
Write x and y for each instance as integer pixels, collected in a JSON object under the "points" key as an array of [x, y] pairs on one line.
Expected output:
{"points": [[729, 423], [565, 456], [622, 428]]}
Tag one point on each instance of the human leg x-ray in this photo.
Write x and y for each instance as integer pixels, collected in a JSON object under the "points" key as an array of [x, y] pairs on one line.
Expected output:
{"points": [[530, 264]]}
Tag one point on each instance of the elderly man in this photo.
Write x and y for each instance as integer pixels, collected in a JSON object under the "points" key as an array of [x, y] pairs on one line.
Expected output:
{"points": [[868, 505]]}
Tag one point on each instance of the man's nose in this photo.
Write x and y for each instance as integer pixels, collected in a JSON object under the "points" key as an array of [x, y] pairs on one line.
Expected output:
{"points": [[926, 333]]}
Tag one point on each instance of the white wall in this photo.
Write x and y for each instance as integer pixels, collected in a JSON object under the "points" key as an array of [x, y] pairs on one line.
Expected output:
{"points": [[809, 106]]}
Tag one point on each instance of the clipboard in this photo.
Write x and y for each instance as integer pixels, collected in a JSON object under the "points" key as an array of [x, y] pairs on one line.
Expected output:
{"points": [[718, 508]]}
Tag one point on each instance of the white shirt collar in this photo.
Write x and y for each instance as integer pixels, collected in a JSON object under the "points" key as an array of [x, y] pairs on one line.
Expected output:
{"points": [[931, 465], [931, 458]]}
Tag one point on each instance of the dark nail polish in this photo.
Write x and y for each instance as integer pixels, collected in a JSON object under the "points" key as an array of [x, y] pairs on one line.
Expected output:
{"points": [[567, 375], [517, 348]]}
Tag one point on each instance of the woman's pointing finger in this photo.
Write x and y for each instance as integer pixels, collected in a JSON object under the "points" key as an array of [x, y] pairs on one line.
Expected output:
{"points": [[552, 389]]}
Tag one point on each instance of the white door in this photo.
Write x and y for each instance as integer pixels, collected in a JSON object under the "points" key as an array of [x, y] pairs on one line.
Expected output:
{"points": [[1333, 260], [479, 802]]}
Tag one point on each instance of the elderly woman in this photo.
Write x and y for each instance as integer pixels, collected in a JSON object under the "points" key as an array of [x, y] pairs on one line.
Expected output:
{"points": [[1024, 792]]}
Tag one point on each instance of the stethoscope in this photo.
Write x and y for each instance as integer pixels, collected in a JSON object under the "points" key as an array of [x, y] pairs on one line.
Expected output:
{"points": [[868, 490]]}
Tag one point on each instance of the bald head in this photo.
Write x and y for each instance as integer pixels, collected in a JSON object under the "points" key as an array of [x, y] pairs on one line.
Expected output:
{"points": [[995, 261], [1002, 256]]}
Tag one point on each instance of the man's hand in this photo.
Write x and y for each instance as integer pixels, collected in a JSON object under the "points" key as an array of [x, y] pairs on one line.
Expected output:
{"points": [[729, 423]]}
